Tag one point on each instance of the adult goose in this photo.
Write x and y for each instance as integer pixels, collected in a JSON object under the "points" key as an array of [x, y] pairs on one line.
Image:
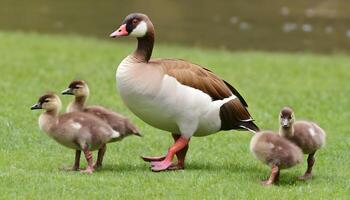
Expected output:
{"points": [[175, 95]]}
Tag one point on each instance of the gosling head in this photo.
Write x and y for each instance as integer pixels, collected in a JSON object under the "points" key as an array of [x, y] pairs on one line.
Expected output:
{"points": [[136, 25], [286, 117], [48, 102], [78, 88]]}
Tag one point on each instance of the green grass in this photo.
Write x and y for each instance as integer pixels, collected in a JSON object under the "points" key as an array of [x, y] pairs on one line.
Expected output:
{"points": [[218, 166]]}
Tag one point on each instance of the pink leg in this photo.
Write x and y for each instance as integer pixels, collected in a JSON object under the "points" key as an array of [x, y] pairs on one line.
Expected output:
{"points": [[181, 155], [167, 162], [90, 168], [274, 176]]}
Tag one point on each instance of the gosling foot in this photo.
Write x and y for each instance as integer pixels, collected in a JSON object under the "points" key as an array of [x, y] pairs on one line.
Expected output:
{"points": [[305, 177]]}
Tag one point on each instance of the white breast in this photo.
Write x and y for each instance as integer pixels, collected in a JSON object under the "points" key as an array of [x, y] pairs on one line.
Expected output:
{"points": [[163, 102]]}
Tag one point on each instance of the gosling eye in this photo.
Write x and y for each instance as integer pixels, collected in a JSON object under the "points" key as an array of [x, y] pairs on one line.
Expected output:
{"points": [[46, 101]]}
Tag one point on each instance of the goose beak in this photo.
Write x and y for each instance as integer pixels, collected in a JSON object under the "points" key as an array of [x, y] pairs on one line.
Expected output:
{"points": [[36, 106], [68, 91], [120, 32], [284, 122]]}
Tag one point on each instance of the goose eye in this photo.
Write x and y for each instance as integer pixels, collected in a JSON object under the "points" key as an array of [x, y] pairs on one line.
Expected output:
{"points": [[134, 21]]}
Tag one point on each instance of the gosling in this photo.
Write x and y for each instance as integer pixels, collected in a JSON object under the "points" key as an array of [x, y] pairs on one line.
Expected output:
{"points": [[75, 130], [305, 134], [118, 122], [275, 151]]}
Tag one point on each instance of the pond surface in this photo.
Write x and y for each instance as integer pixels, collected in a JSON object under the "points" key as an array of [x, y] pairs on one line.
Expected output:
{"points": [[274, 25]]}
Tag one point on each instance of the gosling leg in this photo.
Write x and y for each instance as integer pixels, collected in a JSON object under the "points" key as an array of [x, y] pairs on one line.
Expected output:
{"points": [[274, 176], [310, 163]]}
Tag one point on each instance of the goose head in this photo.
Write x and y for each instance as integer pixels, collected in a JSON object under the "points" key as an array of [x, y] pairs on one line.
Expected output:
{"points": [[78, 88], [136, 25], [48, 102], [286, 117]]}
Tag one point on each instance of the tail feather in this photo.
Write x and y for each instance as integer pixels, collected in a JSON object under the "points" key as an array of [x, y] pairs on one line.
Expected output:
{"points": [[250, 126], [234, 115], [131, 128]]}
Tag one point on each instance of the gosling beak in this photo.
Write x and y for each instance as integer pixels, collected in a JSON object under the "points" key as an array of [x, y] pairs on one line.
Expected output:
{"points": [[36, 106], [284, 122], [68, 91], [121, 31]]}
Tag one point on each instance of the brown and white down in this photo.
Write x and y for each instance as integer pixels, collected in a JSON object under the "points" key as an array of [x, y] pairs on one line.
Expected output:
{"points": [[174, 95], [76, 130], [118, 122], [305, 134], [275, 151]]}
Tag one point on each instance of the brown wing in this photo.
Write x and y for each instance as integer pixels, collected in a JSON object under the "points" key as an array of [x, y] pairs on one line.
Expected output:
{"points": [[117, 121], [233, 114], [200, 78]]}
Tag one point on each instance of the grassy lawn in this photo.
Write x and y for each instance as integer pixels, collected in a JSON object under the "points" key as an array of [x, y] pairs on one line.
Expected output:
{"points": [[218, 166]]}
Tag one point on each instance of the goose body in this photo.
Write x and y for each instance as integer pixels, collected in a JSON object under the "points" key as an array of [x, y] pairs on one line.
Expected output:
{"points": [[76, 130], [165, 103], [275, 151], [307, 135], [175, 95]]}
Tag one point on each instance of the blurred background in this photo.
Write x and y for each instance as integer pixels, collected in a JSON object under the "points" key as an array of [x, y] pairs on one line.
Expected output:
{"points": [[321, 26]]}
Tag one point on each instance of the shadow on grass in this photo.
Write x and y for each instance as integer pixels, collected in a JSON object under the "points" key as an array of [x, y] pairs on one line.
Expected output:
{"points": [[234, 167], [123, 167], [252, 172], [287, 178], [190, 167]]}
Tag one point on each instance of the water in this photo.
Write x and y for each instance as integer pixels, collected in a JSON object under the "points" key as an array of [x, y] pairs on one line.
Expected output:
{"points": [[275, 25]]}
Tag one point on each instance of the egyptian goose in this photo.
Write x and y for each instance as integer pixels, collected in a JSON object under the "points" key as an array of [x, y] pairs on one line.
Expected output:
{"points": [[76, 130], [305, 134], [175, 95], [275, 151]]}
